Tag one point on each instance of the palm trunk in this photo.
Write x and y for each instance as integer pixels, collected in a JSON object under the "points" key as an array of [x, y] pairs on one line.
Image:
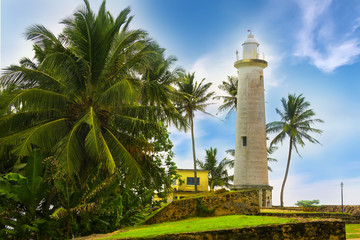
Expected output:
{"points": [[193, 148], [286, 174], [212, 185]]}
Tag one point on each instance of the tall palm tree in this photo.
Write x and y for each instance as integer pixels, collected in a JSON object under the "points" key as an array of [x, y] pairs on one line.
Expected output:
{"points": [[296, 121], [230, 99], [80, 100], [194, 97], [218, 173]]}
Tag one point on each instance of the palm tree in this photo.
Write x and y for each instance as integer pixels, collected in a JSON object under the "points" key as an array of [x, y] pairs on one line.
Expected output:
{"points": [[296, 121], [230, 99], [157, 86], [270, 150], [80, 100], [218, 173], [194, 97]]}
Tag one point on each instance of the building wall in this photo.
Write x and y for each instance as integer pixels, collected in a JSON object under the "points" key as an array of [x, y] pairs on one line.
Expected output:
{"points": [[185, 173], [184, 190]]}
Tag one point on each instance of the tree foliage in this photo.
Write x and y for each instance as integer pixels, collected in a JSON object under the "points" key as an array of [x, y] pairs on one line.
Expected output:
{"points": [[95, 101], [193, 96], [93, 96], [218, 175], [307, 203], [296, 123], [230, 99]]}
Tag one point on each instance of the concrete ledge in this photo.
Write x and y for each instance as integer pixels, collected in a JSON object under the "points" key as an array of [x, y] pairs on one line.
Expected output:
{"points": [[242, 187], [249, 62]]}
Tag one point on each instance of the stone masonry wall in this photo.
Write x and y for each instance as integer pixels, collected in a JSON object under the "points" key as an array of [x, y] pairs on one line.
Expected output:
{"points": [[319, 230], [352, 209], [344, 217], [242, 202]]}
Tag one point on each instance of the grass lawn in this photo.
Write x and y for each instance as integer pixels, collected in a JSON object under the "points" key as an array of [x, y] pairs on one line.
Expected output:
{"points": [[352, 231], [199, 224]]}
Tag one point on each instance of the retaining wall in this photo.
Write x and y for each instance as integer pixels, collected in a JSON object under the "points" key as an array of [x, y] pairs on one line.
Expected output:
{"points": [[241, 202], [353, 209], [344, 217], [319, 230]]}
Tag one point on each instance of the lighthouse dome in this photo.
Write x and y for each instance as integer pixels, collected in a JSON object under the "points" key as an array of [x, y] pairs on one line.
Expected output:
{"points": [[251, 40], [250, 47]]}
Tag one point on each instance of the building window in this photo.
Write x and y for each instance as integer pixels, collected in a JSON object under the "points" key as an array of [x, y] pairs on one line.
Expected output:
{"points": [[190, 181], [261, 80], [174, 181], [244, 141]]}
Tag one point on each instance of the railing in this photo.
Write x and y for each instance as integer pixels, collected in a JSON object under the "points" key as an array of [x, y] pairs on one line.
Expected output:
{"points": [[251, 55]]}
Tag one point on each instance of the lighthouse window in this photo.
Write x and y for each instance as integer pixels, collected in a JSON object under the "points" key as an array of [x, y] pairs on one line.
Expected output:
{"points": [[261, 80], [244, 141]]}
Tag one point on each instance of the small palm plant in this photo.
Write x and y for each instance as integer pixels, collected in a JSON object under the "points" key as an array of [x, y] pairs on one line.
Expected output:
{"points": [[218, 170]]}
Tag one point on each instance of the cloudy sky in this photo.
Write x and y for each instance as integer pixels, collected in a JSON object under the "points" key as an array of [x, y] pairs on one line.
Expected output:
{"points": [[312, 47]]}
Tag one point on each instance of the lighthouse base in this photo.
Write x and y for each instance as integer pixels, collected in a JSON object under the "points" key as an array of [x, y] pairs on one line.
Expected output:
{"points": [[265, 193]]}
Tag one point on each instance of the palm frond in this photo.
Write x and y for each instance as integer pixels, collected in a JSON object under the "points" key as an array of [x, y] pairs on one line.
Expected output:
{"points": [[123, 158], [28, 77], [31, 99]]}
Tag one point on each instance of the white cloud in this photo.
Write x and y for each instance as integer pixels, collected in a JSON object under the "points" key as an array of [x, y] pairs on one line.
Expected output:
{"points": [[332, 51], [274, 59]]}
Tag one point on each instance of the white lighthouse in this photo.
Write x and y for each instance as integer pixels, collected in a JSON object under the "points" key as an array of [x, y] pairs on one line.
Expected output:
{"points": [[251, 170]]}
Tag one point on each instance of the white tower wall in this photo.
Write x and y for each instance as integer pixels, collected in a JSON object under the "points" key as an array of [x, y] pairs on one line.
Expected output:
{"points": [[250, 153], [251, 171]]}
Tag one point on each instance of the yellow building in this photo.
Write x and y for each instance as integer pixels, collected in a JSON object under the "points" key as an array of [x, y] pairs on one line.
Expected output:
{"points": [[186, 186]]}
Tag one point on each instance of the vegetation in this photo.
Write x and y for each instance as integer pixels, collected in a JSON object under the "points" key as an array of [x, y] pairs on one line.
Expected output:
{"points": [[199, 224], [307, 203], [82, 124], [194, 97], [270, 150], [296, 121], [84, 144], [230, 99], [218, 175]]}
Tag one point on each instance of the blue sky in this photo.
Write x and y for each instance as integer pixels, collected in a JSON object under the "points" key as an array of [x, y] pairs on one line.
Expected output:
{"points": [[312, 47]]}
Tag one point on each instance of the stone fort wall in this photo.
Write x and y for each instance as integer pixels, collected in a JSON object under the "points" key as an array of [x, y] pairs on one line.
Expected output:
{"points": [[241, 202], [319, 230]]}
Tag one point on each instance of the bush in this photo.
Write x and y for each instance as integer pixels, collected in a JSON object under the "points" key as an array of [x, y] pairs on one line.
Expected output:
{"points": [[307, 203]]}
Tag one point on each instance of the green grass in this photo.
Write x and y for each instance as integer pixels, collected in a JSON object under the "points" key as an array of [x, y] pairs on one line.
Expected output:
{"points": [[199, 224], [352, 231]]}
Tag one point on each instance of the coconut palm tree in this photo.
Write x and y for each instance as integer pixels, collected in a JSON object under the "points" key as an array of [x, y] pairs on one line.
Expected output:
{"points": [[80, 100], [218, 170], [296, 121], [193, 97], [230, 99]]}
